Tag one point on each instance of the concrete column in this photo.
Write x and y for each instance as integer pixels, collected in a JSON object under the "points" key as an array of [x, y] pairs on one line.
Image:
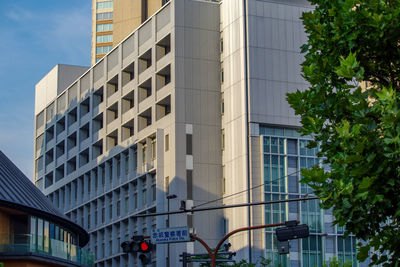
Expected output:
{"points": [[140, 186], [79, 189], [148, 153], [107, 174], [140, 158], [67, 197], [107, 249], [132, 162], [92, 215], [93, 183], [73, 193], [115, 171], [79, 216], [85, 182], [99, 211], [85, 214], [114, 205], [56, 198], [124, 173], [100, 185], [123, 193], [114, 239], [62, 200], [131, 198]]}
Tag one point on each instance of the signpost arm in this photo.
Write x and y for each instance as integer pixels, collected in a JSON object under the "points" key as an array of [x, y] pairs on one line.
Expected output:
{"points": [[213, 255], [209, 251]]}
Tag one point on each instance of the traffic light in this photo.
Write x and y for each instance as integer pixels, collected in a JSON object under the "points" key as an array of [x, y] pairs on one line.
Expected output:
{"points": [[145, 249], [138, 245], [292, 231], [145, 246]]}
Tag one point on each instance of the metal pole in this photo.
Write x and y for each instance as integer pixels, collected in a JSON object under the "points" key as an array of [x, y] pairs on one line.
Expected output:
{"points": [[168, 224], [184, 261], [213, 255]]}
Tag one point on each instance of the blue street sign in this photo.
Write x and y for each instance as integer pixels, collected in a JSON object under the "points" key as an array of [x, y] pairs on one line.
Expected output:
{"points": [[170, 235]]}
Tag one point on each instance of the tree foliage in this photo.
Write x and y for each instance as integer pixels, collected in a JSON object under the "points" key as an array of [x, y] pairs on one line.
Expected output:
{"points": [[352, 42]]}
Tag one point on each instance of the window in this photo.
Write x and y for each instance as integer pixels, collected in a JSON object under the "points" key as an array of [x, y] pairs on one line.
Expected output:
{"points": [[103, 49], [223, 180], [104, 16], [223, 139], [108, 38], [104, 27], [189, 184], [106, 4], [222, 74], [221, 44], [189, 150], [153, 150], [222, 104], [166, 142]]}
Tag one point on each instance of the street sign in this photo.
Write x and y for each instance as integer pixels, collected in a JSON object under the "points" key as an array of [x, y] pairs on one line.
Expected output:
{"points": [[170, 235]]}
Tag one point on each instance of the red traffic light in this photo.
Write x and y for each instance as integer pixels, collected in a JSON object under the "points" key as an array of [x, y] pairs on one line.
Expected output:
{"points": [[145, 246]]}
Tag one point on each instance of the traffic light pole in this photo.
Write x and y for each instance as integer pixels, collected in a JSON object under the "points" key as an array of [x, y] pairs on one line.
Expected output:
{"points": [[213, 254]]}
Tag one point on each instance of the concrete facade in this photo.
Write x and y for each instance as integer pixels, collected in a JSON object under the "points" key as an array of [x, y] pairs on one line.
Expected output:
{"points": [[191, 103], [118, 147]]}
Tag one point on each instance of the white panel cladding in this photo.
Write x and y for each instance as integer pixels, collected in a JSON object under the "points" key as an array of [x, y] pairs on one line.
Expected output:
{"points": [[128, 46], [85, 85], [163, 18], [145, 32], [98, 71], [275, 37], [112, 59]]}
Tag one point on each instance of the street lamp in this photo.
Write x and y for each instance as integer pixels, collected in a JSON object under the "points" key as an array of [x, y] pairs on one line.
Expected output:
{"points": [[168, 198]]}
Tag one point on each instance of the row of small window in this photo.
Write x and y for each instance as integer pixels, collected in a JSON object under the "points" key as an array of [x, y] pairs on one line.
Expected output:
{"points": [[105, 4], [108, 38], [74, 163], [104, 27], [104, 16], [111, 140], [145, 60], [288, 146], [114, 205]]}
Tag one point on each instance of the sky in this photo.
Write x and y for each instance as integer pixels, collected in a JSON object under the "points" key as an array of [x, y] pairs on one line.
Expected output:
{"points": [[35, 36]]}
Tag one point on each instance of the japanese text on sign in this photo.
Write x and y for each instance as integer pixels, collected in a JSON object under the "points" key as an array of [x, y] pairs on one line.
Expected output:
{"points": [[170, 235]]}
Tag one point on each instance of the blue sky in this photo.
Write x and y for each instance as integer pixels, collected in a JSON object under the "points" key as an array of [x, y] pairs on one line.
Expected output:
{"points": [[35, 36]]}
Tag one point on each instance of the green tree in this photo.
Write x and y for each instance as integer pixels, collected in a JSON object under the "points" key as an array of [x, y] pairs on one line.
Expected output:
{"points": [[353, 42], [334, 262]]}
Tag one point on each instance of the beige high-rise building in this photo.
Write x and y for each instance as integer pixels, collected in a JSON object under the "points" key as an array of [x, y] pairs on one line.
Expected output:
{"points": [[113, 20]]}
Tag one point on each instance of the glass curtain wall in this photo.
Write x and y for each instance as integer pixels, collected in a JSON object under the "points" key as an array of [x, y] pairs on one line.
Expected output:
{"points": [[285, 152]]}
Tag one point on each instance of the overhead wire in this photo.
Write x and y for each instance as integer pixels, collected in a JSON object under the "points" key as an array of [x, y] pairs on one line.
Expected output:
{"points": [[246, 190]]}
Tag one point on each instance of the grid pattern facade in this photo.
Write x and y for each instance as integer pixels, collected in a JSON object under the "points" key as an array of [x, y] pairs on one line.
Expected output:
{"points": [[285, 152], [86, 155]]}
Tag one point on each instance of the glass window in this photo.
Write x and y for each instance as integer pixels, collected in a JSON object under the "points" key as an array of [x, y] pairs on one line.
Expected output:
{"points": [[108, 38], [103, 49], [46, 235], [104, 16], [106, 4], [104, 27]]}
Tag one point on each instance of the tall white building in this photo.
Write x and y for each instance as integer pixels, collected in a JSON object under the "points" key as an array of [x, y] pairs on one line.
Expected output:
{"points": [[191, 103]]}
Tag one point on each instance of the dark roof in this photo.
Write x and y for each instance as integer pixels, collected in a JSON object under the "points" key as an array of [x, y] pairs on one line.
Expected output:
{"points": [[18, 192]]}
